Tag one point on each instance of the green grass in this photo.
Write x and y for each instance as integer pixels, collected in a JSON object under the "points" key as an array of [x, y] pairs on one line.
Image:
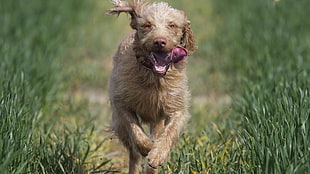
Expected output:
{"points": [[249, 80], [34, 36], [263, 51], [275, 100]]}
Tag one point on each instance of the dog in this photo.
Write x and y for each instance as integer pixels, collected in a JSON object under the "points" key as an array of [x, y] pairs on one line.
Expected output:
{"points": [[148, 83]]}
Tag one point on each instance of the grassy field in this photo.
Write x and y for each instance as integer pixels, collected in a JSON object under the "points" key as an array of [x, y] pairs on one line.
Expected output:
{"points": [[249, 80]]}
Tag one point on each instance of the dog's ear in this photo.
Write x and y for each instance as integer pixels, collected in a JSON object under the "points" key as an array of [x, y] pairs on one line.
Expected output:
{"points": [[188, 40], [133, 8]]}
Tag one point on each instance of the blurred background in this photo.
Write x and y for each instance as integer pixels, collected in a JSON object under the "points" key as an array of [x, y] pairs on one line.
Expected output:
{"points": [[248, 78]]}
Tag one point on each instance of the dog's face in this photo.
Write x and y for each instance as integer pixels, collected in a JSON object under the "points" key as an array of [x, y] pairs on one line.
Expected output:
{"points": [[160, 32], [160, 27], [163, 33]]}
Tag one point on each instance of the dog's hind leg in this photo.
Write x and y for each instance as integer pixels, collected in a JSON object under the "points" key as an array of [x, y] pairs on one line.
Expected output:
{"points": [[157, 128]]}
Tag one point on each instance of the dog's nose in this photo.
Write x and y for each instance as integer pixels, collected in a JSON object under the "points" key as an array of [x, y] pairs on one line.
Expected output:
{"points": [[160, 42]]}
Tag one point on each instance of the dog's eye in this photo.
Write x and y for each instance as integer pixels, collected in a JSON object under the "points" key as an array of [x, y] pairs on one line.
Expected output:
{"points": [[147, 26], [172, 25]]}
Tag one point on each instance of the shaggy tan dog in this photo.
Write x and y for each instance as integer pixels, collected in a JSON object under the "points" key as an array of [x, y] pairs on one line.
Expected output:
{"points": [[149, 83]]}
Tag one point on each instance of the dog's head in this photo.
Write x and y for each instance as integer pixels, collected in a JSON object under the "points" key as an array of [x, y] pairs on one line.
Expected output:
{"points": [[162, 32]]}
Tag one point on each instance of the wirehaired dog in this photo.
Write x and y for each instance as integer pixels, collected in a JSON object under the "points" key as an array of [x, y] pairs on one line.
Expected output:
{"points": [[148, 83]]}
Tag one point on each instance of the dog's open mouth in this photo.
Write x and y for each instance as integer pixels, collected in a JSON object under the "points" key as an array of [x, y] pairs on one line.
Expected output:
{"points": [[162, 60]]}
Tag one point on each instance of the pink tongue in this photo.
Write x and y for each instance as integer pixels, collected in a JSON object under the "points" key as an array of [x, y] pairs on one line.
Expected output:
{"points": [[162, 60], [178, 54]]}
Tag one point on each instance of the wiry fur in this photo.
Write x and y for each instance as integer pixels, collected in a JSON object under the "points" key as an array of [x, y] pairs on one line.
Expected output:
{"points": [[138, 95]]}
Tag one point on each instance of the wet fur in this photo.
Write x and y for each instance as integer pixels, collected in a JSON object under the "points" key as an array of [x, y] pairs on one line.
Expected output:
{"points": [[138, 95]]}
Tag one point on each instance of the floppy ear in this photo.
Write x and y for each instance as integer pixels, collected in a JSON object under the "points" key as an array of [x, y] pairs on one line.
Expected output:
{"points": [[188, 40], [131, 8]]}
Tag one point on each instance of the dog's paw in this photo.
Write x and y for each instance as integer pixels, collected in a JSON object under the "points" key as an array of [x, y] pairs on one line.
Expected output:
{"points": [[157, 157]]}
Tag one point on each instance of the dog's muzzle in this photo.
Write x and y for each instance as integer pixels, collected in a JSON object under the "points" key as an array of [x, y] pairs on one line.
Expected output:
{"points": [[162, 60]]}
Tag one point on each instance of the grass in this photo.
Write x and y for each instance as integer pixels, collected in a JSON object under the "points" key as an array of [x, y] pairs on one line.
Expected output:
{"points": [[249, 80], [33, 139], [263, 48], [275, 98], [24, 92]]}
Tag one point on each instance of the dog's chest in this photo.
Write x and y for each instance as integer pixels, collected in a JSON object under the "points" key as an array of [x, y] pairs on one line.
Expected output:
{"points": [[148, 103], [152, 98]]}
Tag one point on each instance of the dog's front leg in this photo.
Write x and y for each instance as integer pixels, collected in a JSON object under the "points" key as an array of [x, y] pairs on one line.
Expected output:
{"points": [[163, 145], [143, 142], [131, 130], [128, 129]]}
